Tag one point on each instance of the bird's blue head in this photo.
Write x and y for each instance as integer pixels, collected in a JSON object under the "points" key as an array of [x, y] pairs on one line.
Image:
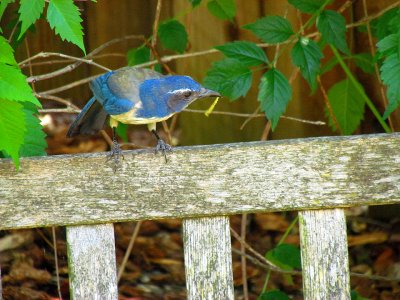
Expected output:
{"points": [[176, 91]]}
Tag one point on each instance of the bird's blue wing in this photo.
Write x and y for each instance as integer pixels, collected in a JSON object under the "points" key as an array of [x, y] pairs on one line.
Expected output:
{"points": [[118, 91]]}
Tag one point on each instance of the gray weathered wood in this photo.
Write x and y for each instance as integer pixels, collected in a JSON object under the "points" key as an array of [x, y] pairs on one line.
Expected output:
{"points": [[324, 254], [91, 260], [208, 258], [1, 288], [202, 181]]}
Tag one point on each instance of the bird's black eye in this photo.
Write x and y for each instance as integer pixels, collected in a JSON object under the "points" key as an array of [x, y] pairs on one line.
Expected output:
{"points": [[187, 94]]}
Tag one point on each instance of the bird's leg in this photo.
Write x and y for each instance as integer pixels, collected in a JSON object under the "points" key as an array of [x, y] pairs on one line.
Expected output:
{"points": [[161, 145], [115, 153]]}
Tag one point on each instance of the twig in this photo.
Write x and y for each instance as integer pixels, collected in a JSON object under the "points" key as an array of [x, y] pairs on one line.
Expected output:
{"points": [[28, 52], [254, 252], [67, 61], [58, 99], [267, 267], [155, 24], [68, 110], [264, 266], [243, 227], [69, 85], [328, 105], [78, 63], [128, 250], [267, 129], [53, 231], [73, 58], [243, 115], [13, 32]]}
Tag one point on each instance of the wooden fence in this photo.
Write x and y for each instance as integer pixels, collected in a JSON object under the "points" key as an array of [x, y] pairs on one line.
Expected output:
{"points": [[203, 185]]}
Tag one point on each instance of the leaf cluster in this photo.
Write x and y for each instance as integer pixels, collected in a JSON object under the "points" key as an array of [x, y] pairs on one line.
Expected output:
{"points": [[20, 130], [21, 133], [233, 75]]}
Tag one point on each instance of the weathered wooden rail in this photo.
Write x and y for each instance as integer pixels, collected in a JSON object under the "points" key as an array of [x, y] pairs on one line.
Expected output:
{"points": [[203, 185]]}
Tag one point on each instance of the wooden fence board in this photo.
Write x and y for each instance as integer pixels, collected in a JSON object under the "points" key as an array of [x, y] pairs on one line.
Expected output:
{"points": [[91, 262], [324, 254], [304, 174], [208, 258]]}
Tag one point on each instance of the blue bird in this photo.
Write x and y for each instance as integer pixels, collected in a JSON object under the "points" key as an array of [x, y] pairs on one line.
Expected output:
{"points": [[136, 96]]}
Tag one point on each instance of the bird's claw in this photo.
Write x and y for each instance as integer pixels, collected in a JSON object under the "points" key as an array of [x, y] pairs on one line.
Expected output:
{"points": [[163, 147], [115, 155]]}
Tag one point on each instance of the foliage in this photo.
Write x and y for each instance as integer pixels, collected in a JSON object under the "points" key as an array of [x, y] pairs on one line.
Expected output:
{"points": [[222, 9], [20, 131], [307, 55], [233, 75], [347, 98], [173, 35], [271, 29], [64, 17], [274, 94], [347, 105], [273, 295], [230, 77]]}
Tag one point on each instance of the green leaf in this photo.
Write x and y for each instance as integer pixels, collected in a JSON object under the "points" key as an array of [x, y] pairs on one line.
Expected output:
{"points": [[3, 6], [329, 65], [347, 105], [12, 128], [386, 24], [229, 77], [273, 295], [35, 139], [271, 29], [222, 9], [13, 85], [248, 53], [274, 95], [122, 131], [64, 17], [285, 256], [173, 35], [6, 52], [390, 44], [307, 56], [332, 26], [307, 6], [29, 12], [356, 296], [195, 2], [138, 55], [390, 74], [365, 62]]}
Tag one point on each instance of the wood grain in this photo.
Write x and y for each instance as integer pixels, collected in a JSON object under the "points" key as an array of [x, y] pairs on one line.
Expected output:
{"points": [[324, 254], [208, 258], [302, 174], [91, 262]]}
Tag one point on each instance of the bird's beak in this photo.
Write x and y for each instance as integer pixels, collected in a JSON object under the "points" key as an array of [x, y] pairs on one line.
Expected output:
{"points": [[208, 93]]}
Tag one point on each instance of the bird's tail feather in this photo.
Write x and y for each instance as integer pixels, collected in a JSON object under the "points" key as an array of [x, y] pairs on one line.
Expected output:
{"points": [[90, 120]]}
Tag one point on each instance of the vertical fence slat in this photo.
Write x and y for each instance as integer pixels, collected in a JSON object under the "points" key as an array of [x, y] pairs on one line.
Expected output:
{"points": [[208, 258], [324, 254], [1, 287], [91, 260]]}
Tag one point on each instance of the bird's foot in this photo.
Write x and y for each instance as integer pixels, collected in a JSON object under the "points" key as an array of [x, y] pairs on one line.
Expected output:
{"points": [[163, 147], [115, 155]]}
